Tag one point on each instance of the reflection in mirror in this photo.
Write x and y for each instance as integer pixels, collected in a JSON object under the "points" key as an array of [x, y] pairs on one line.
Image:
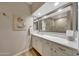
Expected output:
{"points": [[59, 21], [35, 25]]}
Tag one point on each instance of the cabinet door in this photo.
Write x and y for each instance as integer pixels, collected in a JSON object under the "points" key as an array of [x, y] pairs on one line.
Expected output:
{"points": [[34, 42], [46, 48], [54, 51], [39, 45], [75, 53]]}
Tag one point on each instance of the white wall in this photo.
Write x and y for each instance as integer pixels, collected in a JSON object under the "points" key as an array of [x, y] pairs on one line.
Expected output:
{"points": [[11, 41], [78, 23]]}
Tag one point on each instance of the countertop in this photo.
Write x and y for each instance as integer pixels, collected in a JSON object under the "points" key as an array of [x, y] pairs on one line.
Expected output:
{"points": [[59, 40]]}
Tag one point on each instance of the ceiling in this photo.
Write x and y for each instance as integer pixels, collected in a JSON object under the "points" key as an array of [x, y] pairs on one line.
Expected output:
{"points": [[29, 3], [36, 5], [20, 6]]}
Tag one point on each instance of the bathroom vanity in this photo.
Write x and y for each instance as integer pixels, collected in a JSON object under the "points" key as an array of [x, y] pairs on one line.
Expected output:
{"points": [[50, 38], [54, 46]]}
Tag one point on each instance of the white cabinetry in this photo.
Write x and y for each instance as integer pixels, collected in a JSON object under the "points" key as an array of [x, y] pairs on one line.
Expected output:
{"points": [[34, 42], [46, 51], [37, 44], [49, 48], [60, 50]]}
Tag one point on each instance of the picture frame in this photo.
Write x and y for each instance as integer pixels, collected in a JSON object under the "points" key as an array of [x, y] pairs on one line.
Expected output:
{"points": [[19, 24]]}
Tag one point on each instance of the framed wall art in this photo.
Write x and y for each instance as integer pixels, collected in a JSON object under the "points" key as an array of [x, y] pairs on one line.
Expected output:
{"points": [[19, 24]]}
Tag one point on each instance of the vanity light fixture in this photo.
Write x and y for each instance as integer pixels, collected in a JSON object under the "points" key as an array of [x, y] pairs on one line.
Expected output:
{"points": [[45, 17], [56, 3], [59, 10], [39, 14]]}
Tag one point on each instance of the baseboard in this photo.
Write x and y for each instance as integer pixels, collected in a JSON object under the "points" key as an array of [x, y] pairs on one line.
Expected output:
{"points": [[4, 53], [19, 53]]}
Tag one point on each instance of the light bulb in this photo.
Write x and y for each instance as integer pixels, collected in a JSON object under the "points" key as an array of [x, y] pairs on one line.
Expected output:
{"points": [[56, 3]]}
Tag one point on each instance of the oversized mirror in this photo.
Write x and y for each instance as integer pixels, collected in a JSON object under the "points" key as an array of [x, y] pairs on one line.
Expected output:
{"points": [[61, 20]]}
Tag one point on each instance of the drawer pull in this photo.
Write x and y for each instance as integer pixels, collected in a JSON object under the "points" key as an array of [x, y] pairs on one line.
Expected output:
{"points": [[55, 51], [51, 48], [61, 49], [48, 43], [77, 53]]}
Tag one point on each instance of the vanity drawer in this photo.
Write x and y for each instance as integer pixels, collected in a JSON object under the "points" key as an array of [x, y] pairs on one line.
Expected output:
{"points": [[62, 50], [75, 53], [51, 49], [56, 52]]}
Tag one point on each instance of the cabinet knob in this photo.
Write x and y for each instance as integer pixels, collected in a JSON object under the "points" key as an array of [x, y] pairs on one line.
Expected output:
{"points": [[77, 53], [48, 43], [51, 48], [55, 51], [61, 49]]}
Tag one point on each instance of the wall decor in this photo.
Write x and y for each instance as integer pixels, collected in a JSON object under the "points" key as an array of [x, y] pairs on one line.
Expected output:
{"points": [[19, 24]]}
